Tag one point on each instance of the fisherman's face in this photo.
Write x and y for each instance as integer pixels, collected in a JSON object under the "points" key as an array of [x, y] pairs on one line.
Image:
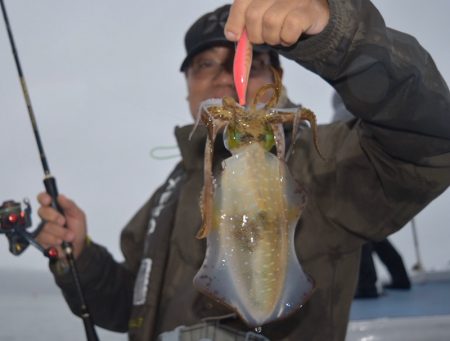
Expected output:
{"points": [[210, 75]]}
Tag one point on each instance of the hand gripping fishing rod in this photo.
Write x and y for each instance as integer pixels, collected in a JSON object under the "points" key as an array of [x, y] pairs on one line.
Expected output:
{"points": [[50, 186]]}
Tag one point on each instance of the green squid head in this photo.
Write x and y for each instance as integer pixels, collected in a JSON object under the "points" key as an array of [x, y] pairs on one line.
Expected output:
{"points": [[236, 136]]}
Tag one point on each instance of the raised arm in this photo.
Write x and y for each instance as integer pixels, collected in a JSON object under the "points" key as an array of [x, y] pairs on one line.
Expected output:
{"points": [[384, 77]]}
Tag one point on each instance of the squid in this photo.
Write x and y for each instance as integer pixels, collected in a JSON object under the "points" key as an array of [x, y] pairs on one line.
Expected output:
{"points": [[250, 212]]}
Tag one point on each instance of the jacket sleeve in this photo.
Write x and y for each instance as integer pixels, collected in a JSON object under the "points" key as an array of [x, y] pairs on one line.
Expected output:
{"points": [[107, 284], [398, 151]]}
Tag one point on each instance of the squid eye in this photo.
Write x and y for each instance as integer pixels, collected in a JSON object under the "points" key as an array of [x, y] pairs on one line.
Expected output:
{"points": [[232, 138], [268, 141]]}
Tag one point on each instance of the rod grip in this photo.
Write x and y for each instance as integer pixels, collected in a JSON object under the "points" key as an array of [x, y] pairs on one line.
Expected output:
{"points": [[91, 335], [52, 190]]}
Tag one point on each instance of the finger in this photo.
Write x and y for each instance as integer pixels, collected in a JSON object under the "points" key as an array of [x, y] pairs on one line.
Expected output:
{"points": [[254, 16], [236, 20], [57, 231], [294, 25], [320, 16], [272, 23], [44, 199], [49, 214], [48, 239]]}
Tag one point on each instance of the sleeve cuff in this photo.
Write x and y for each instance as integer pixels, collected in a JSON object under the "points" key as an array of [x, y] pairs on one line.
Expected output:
{"points": [[86, 263], [325, 43]]}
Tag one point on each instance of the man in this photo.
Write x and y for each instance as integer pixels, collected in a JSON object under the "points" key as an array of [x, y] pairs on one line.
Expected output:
{"points": [[380, 171]]}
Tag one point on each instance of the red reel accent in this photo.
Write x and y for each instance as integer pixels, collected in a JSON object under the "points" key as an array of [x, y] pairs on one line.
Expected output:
{"points": [[12, 218], [52, 253]]}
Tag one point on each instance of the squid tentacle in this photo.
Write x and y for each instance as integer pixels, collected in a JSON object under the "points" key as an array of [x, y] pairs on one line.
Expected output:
{"points": [[290, 115], [309, 116], [215, 119], [276, 87], [202, 108]]}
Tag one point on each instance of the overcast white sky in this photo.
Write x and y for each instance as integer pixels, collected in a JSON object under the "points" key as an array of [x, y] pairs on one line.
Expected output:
{"points": [[104, 81]]}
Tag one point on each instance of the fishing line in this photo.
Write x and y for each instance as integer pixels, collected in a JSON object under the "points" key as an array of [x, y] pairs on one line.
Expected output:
{"points": [[154, 152]]}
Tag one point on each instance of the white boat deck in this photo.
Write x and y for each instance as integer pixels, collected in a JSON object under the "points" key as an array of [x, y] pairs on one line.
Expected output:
{"points": [[422, 313]]}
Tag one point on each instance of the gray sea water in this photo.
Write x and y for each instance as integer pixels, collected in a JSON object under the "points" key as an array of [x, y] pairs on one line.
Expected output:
{"points": [[32, 308]]}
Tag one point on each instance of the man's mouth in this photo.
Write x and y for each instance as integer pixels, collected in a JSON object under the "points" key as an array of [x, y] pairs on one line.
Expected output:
{"points": [[224, 92]]}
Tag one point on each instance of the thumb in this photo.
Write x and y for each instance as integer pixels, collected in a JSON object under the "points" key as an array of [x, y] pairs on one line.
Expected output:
{"points": [[236, 20]]}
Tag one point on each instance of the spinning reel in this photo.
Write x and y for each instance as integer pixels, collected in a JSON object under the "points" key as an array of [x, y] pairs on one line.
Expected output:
{"points": [[14, 222]]}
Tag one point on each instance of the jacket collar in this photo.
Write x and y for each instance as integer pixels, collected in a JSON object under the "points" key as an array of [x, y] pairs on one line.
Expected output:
{"points": [[193, 150]]}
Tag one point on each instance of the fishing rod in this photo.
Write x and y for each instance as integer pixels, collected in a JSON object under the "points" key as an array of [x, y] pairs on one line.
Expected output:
{"points": [[51, 188]]}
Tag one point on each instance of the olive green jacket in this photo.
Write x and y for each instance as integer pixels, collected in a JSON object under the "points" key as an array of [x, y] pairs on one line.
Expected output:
{"points": [[380, 170]]}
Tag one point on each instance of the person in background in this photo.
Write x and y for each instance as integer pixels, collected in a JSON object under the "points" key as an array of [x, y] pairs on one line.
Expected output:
{"points": [[391, 259], [380, 170]]}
